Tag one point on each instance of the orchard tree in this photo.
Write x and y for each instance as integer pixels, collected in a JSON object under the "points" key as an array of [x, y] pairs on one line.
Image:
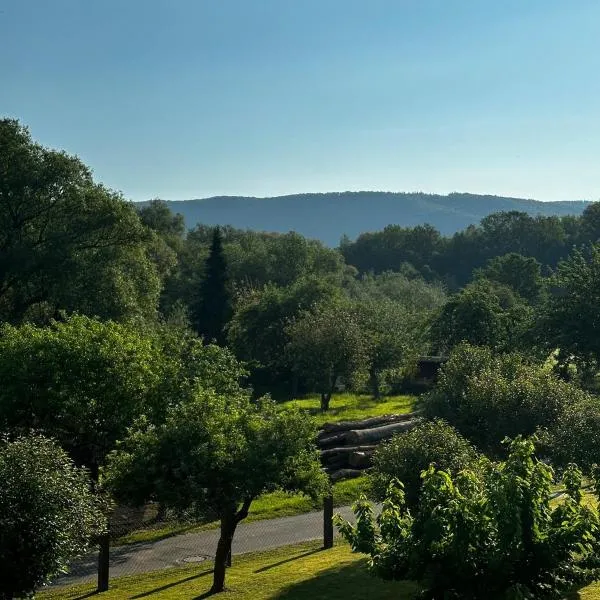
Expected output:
{"points": [[48, 514], [67, 242], [213, 310], [215, 454], [257, 332], [327, 344], [85, 381], [393, 336]]}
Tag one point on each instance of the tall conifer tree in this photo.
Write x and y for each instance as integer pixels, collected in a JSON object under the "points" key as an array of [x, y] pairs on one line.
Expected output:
{"points": [[214, 306]]}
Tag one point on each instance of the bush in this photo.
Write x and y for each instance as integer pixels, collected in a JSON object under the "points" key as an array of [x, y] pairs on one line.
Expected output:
{"points": [[48, 514], [407, 454], [576, 436], [488, 396], [491, 534]]}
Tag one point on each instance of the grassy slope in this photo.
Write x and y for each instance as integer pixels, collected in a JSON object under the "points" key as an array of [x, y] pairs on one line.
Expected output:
{"points": [[302, 572], [270, 506]]}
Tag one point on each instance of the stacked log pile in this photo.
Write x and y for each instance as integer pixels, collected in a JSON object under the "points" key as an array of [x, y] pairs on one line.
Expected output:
{"points": [[347, 447]]}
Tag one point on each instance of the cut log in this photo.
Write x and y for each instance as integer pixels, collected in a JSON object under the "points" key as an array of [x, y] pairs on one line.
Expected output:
{"points": [[329, 428], [345, 474], [345, 450], [366, 436], [337, 463], [335, 439], [361, 460]]}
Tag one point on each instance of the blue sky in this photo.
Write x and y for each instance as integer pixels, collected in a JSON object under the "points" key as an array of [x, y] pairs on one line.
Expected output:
{"points": [[192, 98]]}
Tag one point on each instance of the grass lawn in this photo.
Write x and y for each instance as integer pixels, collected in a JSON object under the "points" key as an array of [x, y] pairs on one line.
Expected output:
{"points": [[350, 407], [302, 572]]}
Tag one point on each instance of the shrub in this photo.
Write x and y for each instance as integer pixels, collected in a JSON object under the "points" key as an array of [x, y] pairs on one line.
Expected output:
{"points": [[488, 396], [407, 454], [491, 534], [47, 514], [576, 436]]}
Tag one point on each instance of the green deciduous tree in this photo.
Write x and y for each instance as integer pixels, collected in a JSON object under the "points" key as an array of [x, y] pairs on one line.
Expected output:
{"points": [[569, 320], [85, 382], [406, 455], [490, 533], [489, 396], [81, 381], [326, 345], [576, 436], [523, 274], [257, 332], [65, 241], [215, 454], [484, 313], [48, 514]]}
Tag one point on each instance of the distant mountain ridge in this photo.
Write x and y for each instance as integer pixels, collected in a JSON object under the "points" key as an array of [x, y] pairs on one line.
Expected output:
{"points": [[327, 216]]}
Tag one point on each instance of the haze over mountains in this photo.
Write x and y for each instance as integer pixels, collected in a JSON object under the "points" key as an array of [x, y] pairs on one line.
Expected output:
{"points": [[328, 216]]}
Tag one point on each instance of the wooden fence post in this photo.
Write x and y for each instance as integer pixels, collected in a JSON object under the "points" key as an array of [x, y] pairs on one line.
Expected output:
{"points": [[328, 521]]}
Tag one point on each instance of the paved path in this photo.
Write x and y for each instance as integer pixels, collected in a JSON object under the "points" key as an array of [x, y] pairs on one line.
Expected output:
{"points": [[171, 552]]}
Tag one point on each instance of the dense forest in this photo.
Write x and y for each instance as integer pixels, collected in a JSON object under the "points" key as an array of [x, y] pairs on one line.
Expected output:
{"points": [[329, 216], [143, 361]]}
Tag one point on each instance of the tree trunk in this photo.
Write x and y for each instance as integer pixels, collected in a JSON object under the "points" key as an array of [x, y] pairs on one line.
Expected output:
{"points": [[229, 522], [362, 437], [375, 384]]}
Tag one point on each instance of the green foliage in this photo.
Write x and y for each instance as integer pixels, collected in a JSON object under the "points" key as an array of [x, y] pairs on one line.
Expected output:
{"points": [[569, 319], [576, 436], [414, 294], [214, 455], [327, 345], [213, 310], [394, 337], [483, 313], [257, 331], [490, 533], [67, 243], [489, 396], [389, 249], [523, 274], [48, 514], [406, 455], [84, 382]]}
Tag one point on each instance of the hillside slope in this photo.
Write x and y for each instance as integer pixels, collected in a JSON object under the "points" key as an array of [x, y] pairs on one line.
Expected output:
{"points": [[328, 216]]}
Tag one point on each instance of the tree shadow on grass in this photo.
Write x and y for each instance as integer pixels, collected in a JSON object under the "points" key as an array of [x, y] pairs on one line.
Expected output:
{"points": [[167, 586], [349, 582], [287, 560]]}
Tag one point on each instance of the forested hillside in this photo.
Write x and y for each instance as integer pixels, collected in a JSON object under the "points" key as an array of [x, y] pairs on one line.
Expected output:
{"points": [[327, 217]]}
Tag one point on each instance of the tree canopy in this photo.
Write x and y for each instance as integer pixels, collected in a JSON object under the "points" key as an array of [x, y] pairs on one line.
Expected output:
{"points": [[48, 514], [67, 243], [214, 455]]}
